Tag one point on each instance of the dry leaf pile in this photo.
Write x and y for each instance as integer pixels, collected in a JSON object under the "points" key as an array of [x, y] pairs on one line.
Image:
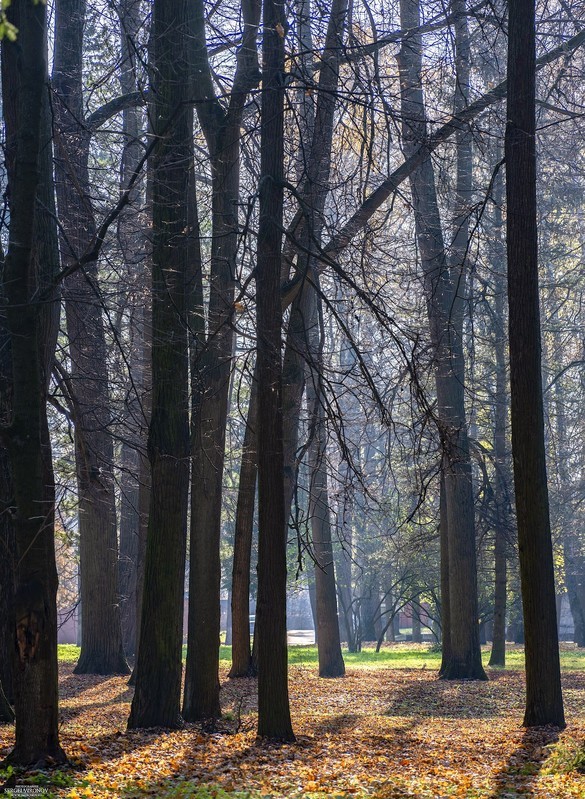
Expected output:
{"points": [[382, 733]]}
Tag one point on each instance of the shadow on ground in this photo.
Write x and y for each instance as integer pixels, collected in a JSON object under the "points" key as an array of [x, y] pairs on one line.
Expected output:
{"points": [[524, 765], [445, 699]]}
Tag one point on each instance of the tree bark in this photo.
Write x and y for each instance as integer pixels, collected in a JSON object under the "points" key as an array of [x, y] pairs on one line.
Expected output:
{"points": [[446, 651], [131, 240], [274, 720], [327, 629], [241, 648], [498, 652], [87, 386], [7, 539], [35, 634], [444, 303], [544, 701], [211, 361], [157, 696]]}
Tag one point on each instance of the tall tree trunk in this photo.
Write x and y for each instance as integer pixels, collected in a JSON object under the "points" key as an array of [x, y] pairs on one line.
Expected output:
{"points": [[444, 302], [314, 171], [7, 540], [327, 628], [544, 700], [35, 673], [498, 652], [157, 696], [241, 650], [132, 244], [211, 361], [573, 555], [87, 387], [446, 652], [274, 720], [45, 261]]}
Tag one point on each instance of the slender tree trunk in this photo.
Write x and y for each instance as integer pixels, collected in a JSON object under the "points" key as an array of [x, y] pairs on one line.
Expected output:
{"points": [[157, 697], [35, 673], [498, 652], [314, 172], [101, 632], [446, 651], [327, 628], [132, 244], [211, 361], [544, 700], [573, 555], [241, 648], [444, 302], [274, 720]]}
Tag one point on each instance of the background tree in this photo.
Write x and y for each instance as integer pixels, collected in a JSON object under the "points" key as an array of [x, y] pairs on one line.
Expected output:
{"points": [[86, 386]]}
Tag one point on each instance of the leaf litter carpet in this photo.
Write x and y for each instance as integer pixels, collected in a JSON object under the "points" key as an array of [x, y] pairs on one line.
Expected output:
{"points": [[382, 733]]}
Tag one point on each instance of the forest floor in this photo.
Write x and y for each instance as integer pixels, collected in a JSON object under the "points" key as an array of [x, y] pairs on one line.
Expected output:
{"points": [[389, 729]]}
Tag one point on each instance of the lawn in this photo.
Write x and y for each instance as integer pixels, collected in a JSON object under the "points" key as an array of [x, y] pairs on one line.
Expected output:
{"points": [[389, 729]]}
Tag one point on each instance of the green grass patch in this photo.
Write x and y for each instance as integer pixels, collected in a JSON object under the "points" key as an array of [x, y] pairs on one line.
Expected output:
{"points": [[398, 656], [405, 656], [68, 653]]}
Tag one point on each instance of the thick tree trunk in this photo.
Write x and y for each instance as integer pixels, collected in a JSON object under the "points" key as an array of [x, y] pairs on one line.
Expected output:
{"points": [[6, 711], [416, 625], [101, 632], [45, 264], [157, 696], [544, 701], [444, 303], [35, 674], [7, 540], [274, 720], [369, 610]]}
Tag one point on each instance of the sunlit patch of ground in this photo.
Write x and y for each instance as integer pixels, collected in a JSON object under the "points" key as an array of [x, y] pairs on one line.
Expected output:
{"points": [[379, 732]]}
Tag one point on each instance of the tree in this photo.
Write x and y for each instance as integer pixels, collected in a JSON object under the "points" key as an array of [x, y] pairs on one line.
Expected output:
{"points": [[242, 663], [444, 296], [544, 702], [157, 696], [501, 457], [328, 640], [35, 633], [86, 387], [274, 720], [131, 237], [211, 356]]}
